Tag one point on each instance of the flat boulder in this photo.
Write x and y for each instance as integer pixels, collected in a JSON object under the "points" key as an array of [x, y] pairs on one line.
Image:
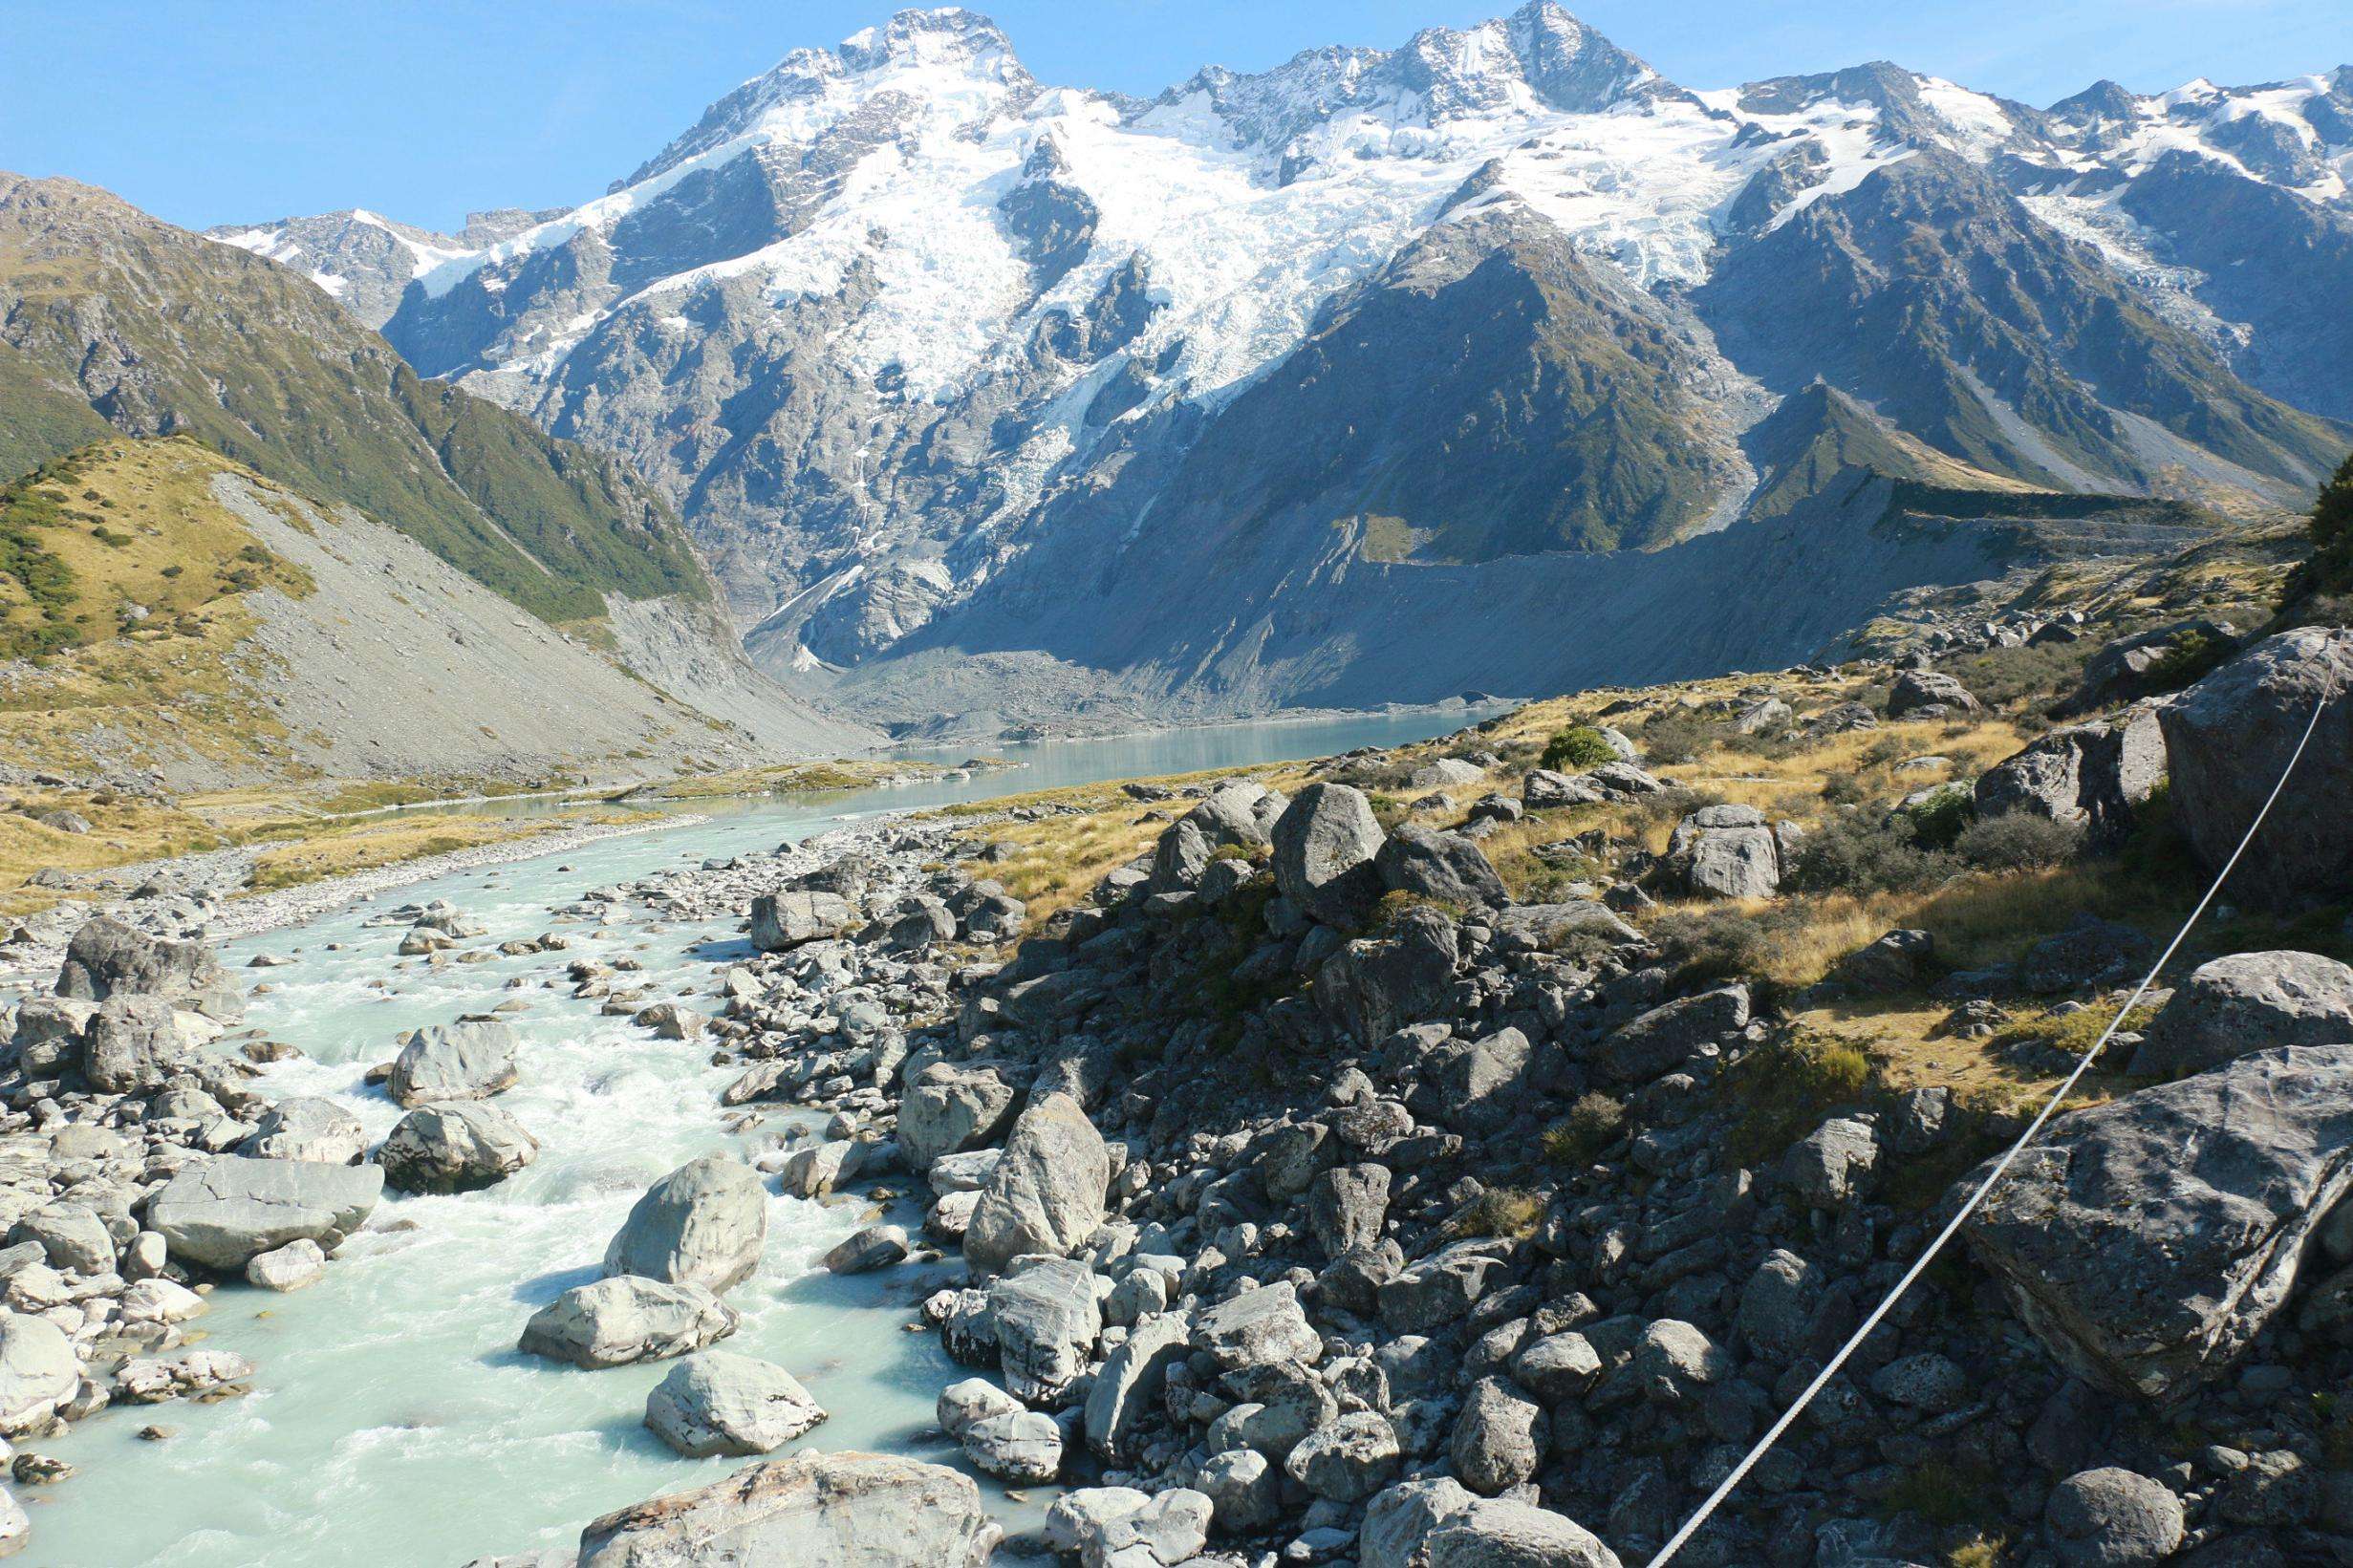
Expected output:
{"points": [[1927, 694], [790, 919], [454, 1062], [810, 1510], [1046, 1193], [460, 1147], [307, 1128], [2249, 1001], [2226, 742], [702, 1224], [1726, 851], [2147, 1241], [1498, 1533], [717, 1402], [1325, 843], [614, 1323], [224, 1213]]}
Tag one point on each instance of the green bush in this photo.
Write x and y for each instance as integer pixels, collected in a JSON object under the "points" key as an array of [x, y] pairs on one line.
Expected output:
{"points": [[2019, 841], [1577, 748], [2187, 658], [1937, 822], [1862, 854]]}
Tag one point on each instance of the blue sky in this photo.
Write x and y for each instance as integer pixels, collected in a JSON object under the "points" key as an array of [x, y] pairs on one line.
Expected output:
{"points": [[213, 111]]}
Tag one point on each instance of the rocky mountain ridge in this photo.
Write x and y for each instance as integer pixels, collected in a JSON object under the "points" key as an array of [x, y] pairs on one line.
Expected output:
{"points": [[992, 399]]}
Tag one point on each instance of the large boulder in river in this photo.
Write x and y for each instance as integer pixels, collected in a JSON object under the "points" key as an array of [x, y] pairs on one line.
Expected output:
{"points": [[2147, 1240], [810, 1510], [614, 1323], [38, 1373], [702, 1224], [2226, 742], [716, 1402], [1325, 843], [1445, 867], [2087, 776], [471, 1060], [305, 1126], [223, 1214], [107, 957], [1045, 1193], [460, 1146], [786, 920], [2249, 1001]]}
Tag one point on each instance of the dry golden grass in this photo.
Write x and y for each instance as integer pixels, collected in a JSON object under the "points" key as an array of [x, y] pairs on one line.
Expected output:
{"points": [[360, 846]]}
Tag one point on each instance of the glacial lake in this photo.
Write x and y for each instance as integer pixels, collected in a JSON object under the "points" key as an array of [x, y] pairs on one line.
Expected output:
{"points": [[392, 1420]]}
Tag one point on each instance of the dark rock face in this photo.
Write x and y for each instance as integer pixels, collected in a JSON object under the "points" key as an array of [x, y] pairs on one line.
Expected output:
{"points": [[2088, 776], [2228, 739], [2147, 1240]]}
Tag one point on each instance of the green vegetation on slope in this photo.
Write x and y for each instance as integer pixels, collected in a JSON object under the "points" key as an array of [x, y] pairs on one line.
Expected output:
{"points": [[168, 334]]}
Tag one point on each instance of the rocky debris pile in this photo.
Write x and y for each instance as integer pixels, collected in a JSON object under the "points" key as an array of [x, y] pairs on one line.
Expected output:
{"points": [[1313, 1198]]}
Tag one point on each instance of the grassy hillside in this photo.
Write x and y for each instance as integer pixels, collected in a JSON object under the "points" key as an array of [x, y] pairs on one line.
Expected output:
{"points": [[124, 581], [164, 333]]}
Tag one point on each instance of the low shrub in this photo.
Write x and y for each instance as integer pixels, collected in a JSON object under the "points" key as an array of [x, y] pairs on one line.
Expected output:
{"points": [[1675, 738], [1592, 1124], [1863, 853], [2019, 841], [1719, 944], [1577, 748]]}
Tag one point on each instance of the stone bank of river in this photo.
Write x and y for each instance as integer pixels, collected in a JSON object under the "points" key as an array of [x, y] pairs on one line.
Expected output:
{"points": [[393, 1422]]}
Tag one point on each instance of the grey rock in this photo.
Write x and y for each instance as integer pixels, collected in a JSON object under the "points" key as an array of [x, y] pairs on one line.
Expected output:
{"points": [[2228, 739], [1445, 867], [1925, 693], [131, 1045], [2112, 1518], [1373, 986], [38, 1373], [1347, 1461], [1048, 1321], [1347, 1207], [2145, 1272], [1400, 1520], [716, 1402], [1323, 847], [1045, 1194], [1544, 789], [307, 1128], [704, 1224], [795, 917], [1658, 1041], [221, 1213], [454, 1062], [1726, 851], [1832, 1164], [1499, 1438], [294, 1266], [1245, 1490], [1130, 1383], [623, 1319], [1022, 1447], [873, 1247], [71, 1235], [460, 1147], [1257, 1327], [1497, 1533], [108, 958], [2089, 776], [2250, 1002], [949, 1109], [810, 1510]]}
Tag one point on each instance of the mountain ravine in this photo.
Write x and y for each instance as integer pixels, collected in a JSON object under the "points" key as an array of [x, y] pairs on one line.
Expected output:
{"points": [[994, 401]]}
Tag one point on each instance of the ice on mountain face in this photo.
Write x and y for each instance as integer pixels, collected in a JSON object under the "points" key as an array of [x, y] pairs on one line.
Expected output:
{"points": [[1979, 125]]}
